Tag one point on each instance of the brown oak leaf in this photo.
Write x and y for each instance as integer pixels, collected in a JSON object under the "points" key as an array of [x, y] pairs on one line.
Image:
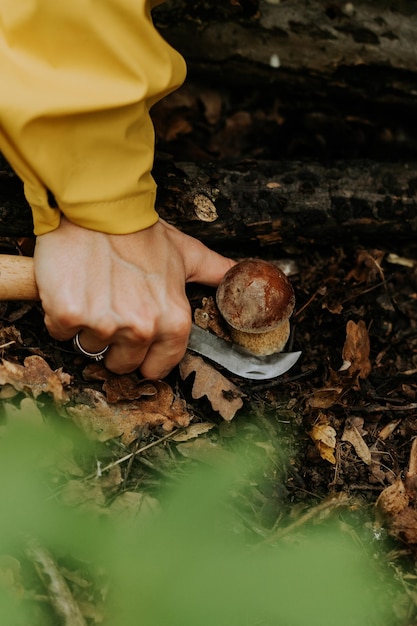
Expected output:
{"points": [[35, 377], [102, 421], [119, 387], [223, 395]]}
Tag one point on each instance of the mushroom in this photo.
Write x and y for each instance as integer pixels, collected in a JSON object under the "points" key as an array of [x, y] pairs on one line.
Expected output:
{"points": [[256, 299]]}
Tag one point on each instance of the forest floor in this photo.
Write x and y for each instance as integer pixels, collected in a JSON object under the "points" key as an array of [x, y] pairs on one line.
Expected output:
{"points": [[338, 428]]}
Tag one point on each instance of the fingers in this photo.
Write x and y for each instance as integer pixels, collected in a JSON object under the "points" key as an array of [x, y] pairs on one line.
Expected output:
{"points": [[154, 346], [154, 353], [89, 342], [156, 360]]}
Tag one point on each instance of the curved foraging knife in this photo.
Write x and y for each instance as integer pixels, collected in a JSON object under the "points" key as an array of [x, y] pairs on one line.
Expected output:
{"points": [[17, 282], [237, 360]]}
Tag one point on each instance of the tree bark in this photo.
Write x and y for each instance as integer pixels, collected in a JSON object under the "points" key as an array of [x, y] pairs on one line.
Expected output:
{"points": [[291, 202], [352, 59], [315, 49], [266, 203]]}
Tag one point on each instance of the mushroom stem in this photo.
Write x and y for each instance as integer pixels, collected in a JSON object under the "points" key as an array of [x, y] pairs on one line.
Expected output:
{"points": [[263, 344]]}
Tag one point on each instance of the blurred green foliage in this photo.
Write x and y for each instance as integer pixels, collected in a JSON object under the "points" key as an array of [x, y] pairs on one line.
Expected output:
{"points": [[188, 563]]}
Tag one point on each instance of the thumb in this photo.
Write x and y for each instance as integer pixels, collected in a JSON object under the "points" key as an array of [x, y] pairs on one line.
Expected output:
{"points": [[203, 265]]}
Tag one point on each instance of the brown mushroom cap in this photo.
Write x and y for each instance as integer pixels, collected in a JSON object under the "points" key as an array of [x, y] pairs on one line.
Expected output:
{"points": [[255, 296]]}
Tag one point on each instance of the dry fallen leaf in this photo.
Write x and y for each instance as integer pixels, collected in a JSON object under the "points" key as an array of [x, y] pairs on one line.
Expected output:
{"points": [[404, 526], [222, 394], [356, 350], [35, 377], [9, 335], [27, 410], [324, 437], [397, 504], [325, 398], [193, 431], [352, 435], [119, 387], [388, 429], [336, 308], [412, 461], [392, 499], [368, 267], [101, 420]]}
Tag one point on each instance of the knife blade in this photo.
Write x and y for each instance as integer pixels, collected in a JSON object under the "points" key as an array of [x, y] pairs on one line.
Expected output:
{"points": [[237, 360], [17, 282]]}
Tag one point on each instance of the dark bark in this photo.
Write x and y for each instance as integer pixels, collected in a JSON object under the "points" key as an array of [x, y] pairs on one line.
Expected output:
{"points": [[316, 49], [266, 203], [15, 215], [323, 65], [293, 202]]}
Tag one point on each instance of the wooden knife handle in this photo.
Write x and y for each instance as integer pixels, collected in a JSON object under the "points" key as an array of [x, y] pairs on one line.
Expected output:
{"points": [[17, 278]]}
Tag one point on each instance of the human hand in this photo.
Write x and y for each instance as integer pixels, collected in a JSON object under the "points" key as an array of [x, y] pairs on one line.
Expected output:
{"points": [[126, 291]]}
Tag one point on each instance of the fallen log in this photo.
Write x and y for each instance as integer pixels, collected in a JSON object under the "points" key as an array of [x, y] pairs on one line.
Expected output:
{"points": [[315, 50], [266, 203], [291, 202], [348, 56]]}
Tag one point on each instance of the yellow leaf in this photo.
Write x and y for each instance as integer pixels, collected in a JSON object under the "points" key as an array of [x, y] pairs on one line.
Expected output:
{"points": [[193, 431], [324, 437]]}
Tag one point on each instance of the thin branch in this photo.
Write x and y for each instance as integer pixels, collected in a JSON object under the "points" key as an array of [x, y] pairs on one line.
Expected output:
{"points": [[131, 455], [59, 593]]}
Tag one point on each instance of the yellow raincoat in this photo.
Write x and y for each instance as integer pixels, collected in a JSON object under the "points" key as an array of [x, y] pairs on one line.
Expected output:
{"points": [[77, 80]]}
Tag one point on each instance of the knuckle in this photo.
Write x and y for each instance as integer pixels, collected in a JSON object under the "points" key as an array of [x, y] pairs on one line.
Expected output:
{"points": [[179, 325], [65, 315], [143, 332], [56, 331], [104, 327]]}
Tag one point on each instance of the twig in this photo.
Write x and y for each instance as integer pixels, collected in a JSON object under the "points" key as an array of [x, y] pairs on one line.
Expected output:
{"points": [[129, 456], [373, 408], [59, 593], [326, 507], [313, 297], [6, 345]]}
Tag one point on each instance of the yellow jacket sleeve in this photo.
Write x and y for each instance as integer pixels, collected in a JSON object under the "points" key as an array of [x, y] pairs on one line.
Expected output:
{"points": [[77, 81]]}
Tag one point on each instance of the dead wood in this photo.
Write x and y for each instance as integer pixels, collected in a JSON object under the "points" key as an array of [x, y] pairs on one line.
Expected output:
{"points": [[267, 203], [293, 202], [349, 57], [314, 49]]}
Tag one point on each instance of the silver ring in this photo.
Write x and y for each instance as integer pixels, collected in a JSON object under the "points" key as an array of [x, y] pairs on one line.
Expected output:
{"points": [[96, 356]]}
